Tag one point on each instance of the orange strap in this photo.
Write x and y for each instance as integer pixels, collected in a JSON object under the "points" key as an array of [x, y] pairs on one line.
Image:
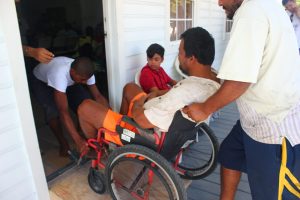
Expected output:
{"points": [[136, 97]]}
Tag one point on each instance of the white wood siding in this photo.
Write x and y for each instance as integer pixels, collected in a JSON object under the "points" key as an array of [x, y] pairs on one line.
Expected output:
{"points": [[212, 17], [142, 22], [21, 172], [14, 171]]}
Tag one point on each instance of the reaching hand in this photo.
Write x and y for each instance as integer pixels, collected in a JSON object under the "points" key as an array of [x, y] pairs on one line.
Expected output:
{"points": [[82, 146], [42, 55], [196, 112]]}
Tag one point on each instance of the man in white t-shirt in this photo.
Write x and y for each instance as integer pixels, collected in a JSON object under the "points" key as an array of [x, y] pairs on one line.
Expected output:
{"points": [[58, 85], [293, 10], [261, 69], [196, 54]]}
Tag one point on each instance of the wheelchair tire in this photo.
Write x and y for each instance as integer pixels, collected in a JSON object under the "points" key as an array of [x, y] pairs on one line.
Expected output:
{"points": [[199, 159], [96, 181], [137, 172]]}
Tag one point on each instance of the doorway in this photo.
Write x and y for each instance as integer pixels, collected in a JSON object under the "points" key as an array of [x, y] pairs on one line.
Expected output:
{"points": [[66, 28]]}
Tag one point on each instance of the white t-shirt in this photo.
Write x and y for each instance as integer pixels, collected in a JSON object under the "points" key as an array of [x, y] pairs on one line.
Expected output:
{"points": [[160, 110], [263, 51], [57, 73]]}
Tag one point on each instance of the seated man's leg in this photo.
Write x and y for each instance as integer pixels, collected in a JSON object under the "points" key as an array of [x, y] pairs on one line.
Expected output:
{"points": [[93, 115], [130, 91]]}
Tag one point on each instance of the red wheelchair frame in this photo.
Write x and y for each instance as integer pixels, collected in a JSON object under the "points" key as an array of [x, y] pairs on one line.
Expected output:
{"points": [[101, 146]]}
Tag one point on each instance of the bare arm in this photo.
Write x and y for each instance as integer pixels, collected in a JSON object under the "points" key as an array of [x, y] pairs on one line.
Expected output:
{"points": [[97, 95], [40, 54], [228, 92], [62, 105], [173, 82], [138, 113], [155, 92]]}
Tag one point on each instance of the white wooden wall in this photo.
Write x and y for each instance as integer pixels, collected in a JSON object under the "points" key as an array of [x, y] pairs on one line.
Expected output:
{"points": [[142, 22], [21, 172]]}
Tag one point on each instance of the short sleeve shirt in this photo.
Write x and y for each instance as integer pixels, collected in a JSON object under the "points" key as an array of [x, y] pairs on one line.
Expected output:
{"points": [[150, 78], [56, 73], [263, 50], [160, 110]]}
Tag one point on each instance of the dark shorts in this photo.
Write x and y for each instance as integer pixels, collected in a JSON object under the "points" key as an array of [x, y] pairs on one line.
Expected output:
{"points": [[261, 162], [180, 131], [44, 95]]}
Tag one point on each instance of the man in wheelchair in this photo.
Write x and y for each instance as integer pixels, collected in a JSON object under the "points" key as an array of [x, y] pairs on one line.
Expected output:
{"points": [[196, 54]]}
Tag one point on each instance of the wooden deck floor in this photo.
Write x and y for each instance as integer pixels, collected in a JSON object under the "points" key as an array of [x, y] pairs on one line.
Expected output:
{"points": [[209, 187], [73, 184]]}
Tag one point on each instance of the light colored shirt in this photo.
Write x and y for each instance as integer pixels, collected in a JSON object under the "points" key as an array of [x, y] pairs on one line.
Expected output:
{"points": [[160, 110], [263, 51], [265, 130], [57, 73]]}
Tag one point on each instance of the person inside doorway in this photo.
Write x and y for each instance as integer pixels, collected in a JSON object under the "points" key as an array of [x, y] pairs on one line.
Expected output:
{"points": [[59, 85]]}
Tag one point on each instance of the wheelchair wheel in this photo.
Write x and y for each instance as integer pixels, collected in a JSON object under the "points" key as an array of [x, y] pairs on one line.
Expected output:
{"points": [[198, 159], [137, 172], [96, 181]]}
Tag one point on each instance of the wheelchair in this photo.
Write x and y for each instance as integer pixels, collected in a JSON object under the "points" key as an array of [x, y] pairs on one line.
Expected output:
{"points": [[142, 166]]}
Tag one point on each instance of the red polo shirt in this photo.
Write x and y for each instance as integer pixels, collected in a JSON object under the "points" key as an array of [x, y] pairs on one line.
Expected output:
{"points": [[154, 78]]}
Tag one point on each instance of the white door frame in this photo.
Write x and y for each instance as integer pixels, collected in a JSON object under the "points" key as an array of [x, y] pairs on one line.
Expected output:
{"points": [[9, 25], [112, 49]]}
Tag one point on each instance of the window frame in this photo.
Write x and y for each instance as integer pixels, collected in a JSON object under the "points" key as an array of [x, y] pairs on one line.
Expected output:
{"points": [[177, 19]]}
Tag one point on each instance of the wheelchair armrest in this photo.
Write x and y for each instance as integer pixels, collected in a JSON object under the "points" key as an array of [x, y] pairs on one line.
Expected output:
{"points": [[130, 121]]}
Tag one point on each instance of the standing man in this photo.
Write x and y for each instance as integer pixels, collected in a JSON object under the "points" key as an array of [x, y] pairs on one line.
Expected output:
{"points": [[293, 11], [261, 70], [57, 85]]}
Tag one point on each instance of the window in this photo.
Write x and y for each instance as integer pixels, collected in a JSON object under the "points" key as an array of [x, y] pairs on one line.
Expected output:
{"points": [[181, 17]]}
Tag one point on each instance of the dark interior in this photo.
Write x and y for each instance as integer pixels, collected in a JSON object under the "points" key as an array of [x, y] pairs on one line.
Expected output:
{"points": [[66, 28]]}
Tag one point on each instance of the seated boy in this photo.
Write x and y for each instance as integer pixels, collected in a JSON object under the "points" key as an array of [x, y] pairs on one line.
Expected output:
{"points": [[153, 77], [196, 54]]}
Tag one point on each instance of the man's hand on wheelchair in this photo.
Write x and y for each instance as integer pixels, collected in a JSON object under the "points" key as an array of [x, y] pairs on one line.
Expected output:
{"points": [[82, 147], [196, 111]]}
